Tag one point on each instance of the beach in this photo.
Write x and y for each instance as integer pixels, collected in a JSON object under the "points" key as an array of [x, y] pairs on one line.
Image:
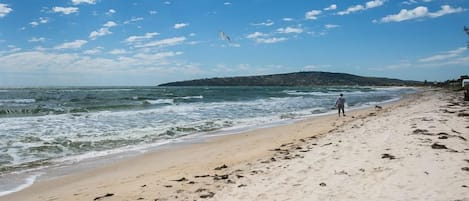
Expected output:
{"points": [[412, 149]]}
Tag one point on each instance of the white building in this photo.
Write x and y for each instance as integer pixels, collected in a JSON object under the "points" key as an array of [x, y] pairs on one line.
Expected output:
{"points": [[465, 83]]}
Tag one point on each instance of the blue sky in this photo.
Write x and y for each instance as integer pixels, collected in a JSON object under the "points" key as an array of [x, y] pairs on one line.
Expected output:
{"points": [[148, 42]]}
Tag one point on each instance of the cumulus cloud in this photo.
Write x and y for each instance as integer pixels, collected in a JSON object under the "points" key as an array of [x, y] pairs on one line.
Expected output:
{"points": [[133, 39], [164, 42], [331, 7], [368, 5], [312, 15], [71, 45], [419, 12], [4, 10], [98, 33], [287, 19], [65, 10], [288, 30], [180, 25], [76, 2], [102, 31]]}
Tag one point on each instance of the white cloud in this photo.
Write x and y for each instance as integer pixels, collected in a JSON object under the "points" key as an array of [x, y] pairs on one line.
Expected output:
{"points": [[133, 19], [34, 39], [227, 3], [65, 10], [287, 19], [98, 33], [153, 12], [167, 2], [33, 23], [445, 10], [71, 45], [267, 23], [42, 20], [180, 25], [444, 56], [111, 12], [288, 30], [368, 5], [132, 39], [419, 12], [374, 4], [270, 40], [331, 7], [118, 51], [405, 14], [93, 51], [331, 26], [157, 56], [164, 42], [12, 49], [4, 10], [102, 31], [410, 2], [76, 2], [444, 59], [256, 35], [110, 24], [312, 15], [62, 63]]}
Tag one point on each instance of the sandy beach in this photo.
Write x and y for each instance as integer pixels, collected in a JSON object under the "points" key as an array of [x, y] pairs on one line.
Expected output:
{"points": [[413, 149]]}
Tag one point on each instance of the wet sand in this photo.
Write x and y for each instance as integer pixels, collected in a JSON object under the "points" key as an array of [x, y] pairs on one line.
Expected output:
{"points": [[414, 149]]}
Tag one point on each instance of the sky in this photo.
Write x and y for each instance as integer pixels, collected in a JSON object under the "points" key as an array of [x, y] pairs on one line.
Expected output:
{"points": [[149, 42]]}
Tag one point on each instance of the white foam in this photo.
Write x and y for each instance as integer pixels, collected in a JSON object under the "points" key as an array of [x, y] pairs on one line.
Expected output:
{"points": [[17, 100], [159, 101], [27, 182], [192, 97]]}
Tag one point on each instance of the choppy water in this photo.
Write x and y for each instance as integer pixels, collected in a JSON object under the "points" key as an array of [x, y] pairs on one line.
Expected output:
{"points": [[40, 127]]}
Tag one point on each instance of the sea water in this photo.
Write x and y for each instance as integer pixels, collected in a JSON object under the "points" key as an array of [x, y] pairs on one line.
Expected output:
{"points": [[51, 127]]}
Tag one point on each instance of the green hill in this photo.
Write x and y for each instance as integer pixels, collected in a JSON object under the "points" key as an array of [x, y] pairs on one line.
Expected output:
{"points": [[296, 79]]}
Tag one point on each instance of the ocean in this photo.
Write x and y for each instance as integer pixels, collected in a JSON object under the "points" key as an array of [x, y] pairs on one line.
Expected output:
{"points": [[43, 128]]}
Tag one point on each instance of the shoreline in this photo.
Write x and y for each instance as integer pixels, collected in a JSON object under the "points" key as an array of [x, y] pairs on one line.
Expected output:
{"points": [[71, 165], [165, 167]]}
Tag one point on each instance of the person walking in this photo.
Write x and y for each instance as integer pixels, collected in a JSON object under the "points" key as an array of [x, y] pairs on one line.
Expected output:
{"points": [[340, 104]]}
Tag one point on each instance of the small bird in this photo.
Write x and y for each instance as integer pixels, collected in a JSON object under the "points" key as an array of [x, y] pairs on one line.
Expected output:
{"points": [[223, 36]]}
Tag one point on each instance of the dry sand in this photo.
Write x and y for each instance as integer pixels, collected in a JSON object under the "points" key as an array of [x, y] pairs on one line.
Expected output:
{"points": [[415, 149]]}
